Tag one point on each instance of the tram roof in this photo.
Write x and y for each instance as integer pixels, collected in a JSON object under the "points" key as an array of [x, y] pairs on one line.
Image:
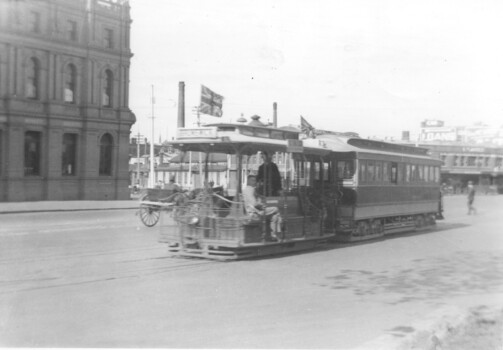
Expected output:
{"points": [[230, 138], [248, 139], [338, 143]]}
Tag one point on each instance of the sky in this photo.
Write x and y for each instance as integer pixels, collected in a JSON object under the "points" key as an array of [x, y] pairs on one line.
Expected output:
{"points": [[372, 67]]}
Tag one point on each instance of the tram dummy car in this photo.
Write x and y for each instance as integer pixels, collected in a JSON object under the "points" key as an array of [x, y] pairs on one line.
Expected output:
{"points": [[334, 187]]}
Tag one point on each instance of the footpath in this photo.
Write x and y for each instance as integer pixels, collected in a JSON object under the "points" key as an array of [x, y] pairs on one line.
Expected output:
{"points": [[53, 206]]}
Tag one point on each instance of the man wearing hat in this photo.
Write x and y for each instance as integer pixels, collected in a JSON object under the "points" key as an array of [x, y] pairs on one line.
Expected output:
{"points": [[172, 185]]}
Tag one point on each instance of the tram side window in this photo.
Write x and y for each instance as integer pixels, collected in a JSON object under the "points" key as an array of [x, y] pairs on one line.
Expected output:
{"points": [[378, 171], [345, 169], [426, 173], [437, 174], [407, 172], [400, 173], [413, 173], [394, 173], [420, 169], [385, 172], [370, 171], [326, 171], [363, 171]]}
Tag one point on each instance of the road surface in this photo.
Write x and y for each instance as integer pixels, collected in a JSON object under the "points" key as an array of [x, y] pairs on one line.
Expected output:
{"points": [[100, 279]]}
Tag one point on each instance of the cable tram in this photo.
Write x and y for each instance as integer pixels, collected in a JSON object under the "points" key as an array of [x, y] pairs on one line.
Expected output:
{"points": [[334, 187]]}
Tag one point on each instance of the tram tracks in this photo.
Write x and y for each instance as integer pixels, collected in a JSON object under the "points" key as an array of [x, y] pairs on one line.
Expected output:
{"points": [[62, 277]]}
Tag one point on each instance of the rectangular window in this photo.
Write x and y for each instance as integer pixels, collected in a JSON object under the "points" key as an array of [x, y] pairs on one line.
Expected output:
{"points": [[108, 38], [400, 173], [394, 173], [413, 173], [32, 143], [432, 174], [470, 161], [317, 171], [385, 172], [370, 171], [345, 169], [420, 170], [72, 30], [378, 171], [363, 171], [426, 173], [407, 173], [69, 154], [437, 174], [34, 22], [326, 171]]}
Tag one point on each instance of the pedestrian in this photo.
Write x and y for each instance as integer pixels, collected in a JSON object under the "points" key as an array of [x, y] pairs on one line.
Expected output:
{"points": [[471, 198], [171, 185]]}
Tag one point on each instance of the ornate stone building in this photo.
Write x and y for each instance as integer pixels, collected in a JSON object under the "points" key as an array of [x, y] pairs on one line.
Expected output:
{"points": [[64, 115]]}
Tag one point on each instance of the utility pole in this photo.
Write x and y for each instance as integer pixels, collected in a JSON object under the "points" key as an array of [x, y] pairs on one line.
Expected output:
{"points": [[151, 177], [138, 136]]}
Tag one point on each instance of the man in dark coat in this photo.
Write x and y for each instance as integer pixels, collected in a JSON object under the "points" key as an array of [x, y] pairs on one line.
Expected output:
{"points": [[268, 177]]}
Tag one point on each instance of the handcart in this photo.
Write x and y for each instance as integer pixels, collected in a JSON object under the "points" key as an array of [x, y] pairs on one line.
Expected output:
{"points": [[152, 201]]}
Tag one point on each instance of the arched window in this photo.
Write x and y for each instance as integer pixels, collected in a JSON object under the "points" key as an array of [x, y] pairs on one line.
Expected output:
{"points": [[107, 88], [32, 78], [106, 147], [70, 83]]}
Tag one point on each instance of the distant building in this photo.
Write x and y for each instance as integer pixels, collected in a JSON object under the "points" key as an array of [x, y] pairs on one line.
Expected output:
{"points": [[469, 153], [64, 85]]}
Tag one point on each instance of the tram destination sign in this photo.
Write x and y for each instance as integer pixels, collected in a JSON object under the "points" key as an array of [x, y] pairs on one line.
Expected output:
{"points": [[294, 146], [191, 133]]}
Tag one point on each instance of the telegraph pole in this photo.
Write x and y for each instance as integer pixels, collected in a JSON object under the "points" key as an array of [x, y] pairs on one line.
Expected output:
{"points": [[138, 136], [151, 177]]}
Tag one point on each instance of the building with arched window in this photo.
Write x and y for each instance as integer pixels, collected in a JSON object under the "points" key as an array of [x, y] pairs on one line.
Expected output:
{"points": [[64, 111]]}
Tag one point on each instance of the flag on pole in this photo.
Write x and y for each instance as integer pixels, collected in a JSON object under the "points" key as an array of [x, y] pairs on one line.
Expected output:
{"points": [[306, 128], [211, 103]]}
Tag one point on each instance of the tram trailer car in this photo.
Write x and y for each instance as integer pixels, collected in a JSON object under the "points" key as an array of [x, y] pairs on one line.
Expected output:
{"points": [[380, 187]]}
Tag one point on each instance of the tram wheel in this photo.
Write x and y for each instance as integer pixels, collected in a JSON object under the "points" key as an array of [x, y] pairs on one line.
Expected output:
{"points": [[363, 228], [377, 226], [149, 215], [420, 222]]}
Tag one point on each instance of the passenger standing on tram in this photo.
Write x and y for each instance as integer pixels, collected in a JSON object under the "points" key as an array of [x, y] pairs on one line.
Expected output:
{"points": [[268, 177], [471, 198], [254, 206]]}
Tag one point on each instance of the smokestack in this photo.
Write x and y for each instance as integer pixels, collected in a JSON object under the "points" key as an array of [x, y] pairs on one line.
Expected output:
{"points": [[181, 104], [275, 114]]}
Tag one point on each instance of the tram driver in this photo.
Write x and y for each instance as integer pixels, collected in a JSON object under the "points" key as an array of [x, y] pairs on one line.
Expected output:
{"points": [[269, 177], [254, 206]]}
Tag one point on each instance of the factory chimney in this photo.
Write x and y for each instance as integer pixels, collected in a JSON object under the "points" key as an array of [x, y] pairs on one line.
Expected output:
{"points": [[275, 115], [181, 104]]}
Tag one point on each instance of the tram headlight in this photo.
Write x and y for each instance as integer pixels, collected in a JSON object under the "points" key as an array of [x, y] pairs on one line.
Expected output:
{"points": [[194, 221]]}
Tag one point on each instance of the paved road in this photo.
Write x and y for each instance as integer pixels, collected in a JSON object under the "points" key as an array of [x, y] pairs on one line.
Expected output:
{"points": [[100, 279]]}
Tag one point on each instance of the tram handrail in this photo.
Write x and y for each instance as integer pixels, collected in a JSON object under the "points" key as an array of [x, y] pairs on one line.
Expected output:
{"points": [[225, 199]]}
